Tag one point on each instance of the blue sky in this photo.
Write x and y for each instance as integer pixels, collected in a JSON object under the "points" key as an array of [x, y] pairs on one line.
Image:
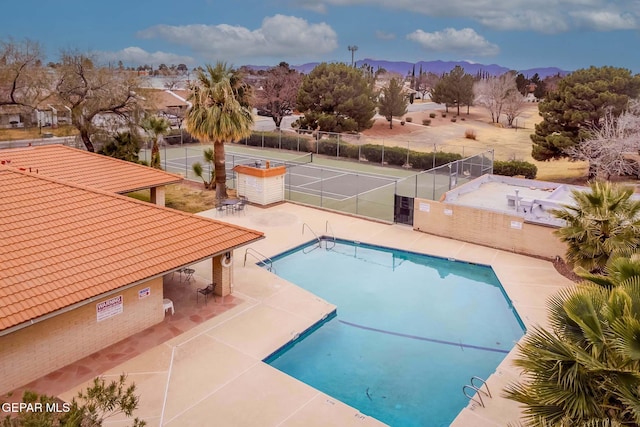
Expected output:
{"points": [[518, 34]]}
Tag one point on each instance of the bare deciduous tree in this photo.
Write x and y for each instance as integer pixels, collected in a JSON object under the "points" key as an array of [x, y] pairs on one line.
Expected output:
{"points": [[173, 82], [513, 105], [425, 82], [96, 95], [493, 92], [23, 80], [612, 149], [279, 92]]}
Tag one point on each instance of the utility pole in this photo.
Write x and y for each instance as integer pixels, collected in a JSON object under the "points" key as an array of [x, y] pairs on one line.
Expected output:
{"points": [[353, 51]]}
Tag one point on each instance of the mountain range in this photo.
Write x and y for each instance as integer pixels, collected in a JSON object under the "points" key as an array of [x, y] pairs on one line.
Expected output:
{"points": [[437, 67]]}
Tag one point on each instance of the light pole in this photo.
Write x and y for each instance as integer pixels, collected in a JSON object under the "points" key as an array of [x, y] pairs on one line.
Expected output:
{"points": [[352, 49]]}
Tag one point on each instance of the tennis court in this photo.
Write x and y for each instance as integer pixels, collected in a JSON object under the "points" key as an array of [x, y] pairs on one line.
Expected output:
{"points": [[303, 176], [352, 187], [332, 183]]}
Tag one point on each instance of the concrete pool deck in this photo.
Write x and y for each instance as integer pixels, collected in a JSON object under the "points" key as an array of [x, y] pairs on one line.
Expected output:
{"points": [[212, 374]]}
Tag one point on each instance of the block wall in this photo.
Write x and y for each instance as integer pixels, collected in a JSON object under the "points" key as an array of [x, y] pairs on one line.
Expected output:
{"points": [[43, 347]]}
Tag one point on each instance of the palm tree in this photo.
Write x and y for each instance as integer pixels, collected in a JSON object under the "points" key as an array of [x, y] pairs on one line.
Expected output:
{"points": [[586, 370], [602, 222], [198, 169], [220, 112], [155, 127], [619, 269]]}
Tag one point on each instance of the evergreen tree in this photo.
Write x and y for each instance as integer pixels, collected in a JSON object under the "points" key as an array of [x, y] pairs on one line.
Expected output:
{"points": [[454, 89], [392, 102], [578, 106], [336, 98]]}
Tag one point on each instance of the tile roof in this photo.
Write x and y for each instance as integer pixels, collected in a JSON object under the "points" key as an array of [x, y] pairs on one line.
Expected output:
{"points": [[85, 168], [160, 99], [61, 243]]}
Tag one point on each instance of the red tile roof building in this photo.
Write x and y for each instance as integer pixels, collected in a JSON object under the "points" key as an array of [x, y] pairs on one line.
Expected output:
{"points": [[67, 248]]}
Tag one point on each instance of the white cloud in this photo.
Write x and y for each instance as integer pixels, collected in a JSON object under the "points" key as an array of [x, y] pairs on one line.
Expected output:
{"points": [[603, 20], [465, 41], [138, 56], [546, 16], [313, 5], [383, 35], [279, 36]]}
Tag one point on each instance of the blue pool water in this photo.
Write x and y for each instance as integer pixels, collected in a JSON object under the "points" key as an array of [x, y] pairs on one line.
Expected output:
{"points": [[409, 333]]}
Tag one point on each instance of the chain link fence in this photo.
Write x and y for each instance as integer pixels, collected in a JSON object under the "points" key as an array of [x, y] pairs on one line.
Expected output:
{"points": [[358, 193]]}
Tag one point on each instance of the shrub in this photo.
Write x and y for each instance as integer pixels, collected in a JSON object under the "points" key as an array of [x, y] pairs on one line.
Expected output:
{"points": [[396, 156], [276, 140], [328, 147], [453, 119], [432, 115], [349, 151], [444, 114], [424, 161], [371, 152], [514, 168], [470, 134], [402, 123], [462, 118], [426, 122], [408, 119]]}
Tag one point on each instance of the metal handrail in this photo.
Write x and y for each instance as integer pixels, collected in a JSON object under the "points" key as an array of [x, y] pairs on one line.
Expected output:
{"points": [[478, 390], [472, 398], [328, 227], [314, 233], [484, 383], [256, 255]]}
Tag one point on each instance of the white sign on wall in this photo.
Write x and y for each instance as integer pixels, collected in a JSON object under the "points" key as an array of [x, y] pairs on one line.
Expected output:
{"points": [[143, 293], [109, 308], [448, 212], [424, 207], [516, 225]]}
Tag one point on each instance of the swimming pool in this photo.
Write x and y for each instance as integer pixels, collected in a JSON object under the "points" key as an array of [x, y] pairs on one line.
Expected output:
{"points": [[409, 333]]}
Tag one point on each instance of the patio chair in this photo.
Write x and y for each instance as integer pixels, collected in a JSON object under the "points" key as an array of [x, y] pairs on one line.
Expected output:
{"points": [[240, 206], [206, 292], [188, 274]]}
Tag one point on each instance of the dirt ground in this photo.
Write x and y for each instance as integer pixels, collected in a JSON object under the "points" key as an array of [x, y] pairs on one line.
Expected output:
{"points": [[507, 143]]}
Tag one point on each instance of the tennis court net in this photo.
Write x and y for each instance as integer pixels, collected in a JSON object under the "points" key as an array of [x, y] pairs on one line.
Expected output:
{"points": [[300, 160]]}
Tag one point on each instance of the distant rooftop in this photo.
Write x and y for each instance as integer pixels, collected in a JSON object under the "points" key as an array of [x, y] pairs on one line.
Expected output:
{"points": [[527, 198]]}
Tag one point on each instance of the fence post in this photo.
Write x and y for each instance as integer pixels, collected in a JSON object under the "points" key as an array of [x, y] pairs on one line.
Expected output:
{"points": [[186, 162], [321, 186], [434, 157], [338, 148], [357, 194], [382, 160], [433, 197], [408, 155], [262, 137], [279, 138]]}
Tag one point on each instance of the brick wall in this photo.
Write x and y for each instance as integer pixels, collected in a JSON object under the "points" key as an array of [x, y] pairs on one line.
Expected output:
{"points": [[39, 349], [488, 228]]}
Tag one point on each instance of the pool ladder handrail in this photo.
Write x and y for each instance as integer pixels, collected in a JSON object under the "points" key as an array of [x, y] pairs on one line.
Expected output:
{"points": [[327, 228], [304, 251], [478, 390], [256, 255]]}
